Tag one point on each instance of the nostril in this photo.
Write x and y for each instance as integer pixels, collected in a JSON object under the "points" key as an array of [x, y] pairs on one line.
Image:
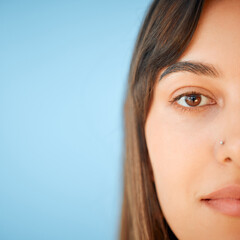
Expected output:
{"points": [[227, 159]]}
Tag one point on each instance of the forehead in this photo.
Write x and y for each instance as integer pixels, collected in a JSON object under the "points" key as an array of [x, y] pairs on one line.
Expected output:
{"points": [[217, 37]]}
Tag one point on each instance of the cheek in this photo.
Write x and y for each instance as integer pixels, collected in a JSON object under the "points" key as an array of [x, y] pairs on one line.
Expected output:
{"points": [[178, 153], [170, 158]]}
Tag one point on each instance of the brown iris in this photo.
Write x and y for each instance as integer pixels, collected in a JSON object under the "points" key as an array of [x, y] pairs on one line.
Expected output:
{"points": [[193, 100]]}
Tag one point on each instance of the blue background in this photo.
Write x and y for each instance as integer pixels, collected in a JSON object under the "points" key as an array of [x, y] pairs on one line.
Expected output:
{"points": [[63, 73]]}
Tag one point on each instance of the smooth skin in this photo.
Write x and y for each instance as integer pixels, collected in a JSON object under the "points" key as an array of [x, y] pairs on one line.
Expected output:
{"points": [[187, 159]]}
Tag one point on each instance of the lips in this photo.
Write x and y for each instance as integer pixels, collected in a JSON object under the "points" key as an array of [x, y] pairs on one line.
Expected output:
{"points": [[225, 200], [232, 191]]}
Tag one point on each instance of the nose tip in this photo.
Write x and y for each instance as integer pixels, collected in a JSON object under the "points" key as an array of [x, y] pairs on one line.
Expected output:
{"points": [[229, 126], [231, 151]]}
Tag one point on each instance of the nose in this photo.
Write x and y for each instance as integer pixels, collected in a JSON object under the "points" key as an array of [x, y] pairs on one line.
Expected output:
{"points": [[231, 153], [230, 134]]}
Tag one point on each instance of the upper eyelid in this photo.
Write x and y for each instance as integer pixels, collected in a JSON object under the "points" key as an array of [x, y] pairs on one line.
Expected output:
{"points": [[198, 89], [191, 93]]}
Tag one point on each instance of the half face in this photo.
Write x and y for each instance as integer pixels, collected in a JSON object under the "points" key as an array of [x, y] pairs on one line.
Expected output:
{"points": [[191, 113]]}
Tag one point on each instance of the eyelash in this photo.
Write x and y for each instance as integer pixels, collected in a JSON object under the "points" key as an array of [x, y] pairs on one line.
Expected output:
{"points": [[188, 109]]}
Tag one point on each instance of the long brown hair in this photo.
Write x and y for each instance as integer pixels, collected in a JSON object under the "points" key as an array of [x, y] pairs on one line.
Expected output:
{"points": [[165, 33]]}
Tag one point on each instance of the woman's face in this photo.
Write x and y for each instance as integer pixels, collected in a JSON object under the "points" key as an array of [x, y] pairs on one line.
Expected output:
{"points": [[187, 158]]}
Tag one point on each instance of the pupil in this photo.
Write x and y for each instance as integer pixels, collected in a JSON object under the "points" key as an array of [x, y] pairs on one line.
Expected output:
{"points": [[193, 98]]}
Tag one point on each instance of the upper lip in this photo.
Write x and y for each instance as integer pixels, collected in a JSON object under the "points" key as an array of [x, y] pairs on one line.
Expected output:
{"points": [[230, 192]]}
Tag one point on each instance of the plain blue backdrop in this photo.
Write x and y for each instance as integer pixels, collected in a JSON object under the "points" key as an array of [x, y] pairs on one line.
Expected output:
{"points": [[63, 74]]}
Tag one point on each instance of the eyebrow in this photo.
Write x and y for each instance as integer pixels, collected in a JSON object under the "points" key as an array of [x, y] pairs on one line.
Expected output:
{"points": [[193, 67]]}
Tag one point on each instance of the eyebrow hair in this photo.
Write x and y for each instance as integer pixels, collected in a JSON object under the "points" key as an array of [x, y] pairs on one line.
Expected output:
{"points": [[193, 67]]}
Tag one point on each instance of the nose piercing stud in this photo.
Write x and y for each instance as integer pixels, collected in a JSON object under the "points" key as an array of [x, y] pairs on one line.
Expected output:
{"points": [[221, 142]]}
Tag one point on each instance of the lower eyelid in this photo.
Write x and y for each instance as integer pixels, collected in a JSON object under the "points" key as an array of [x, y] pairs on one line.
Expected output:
{"points": [[192, 109]]}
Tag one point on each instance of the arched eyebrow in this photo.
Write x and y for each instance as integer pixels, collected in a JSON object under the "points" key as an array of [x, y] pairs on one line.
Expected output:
{"points": [[193, 67]]}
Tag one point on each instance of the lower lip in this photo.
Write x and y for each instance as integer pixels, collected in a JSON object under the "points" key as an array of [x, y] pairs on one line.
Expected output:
{"points": [[226, 206]]}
